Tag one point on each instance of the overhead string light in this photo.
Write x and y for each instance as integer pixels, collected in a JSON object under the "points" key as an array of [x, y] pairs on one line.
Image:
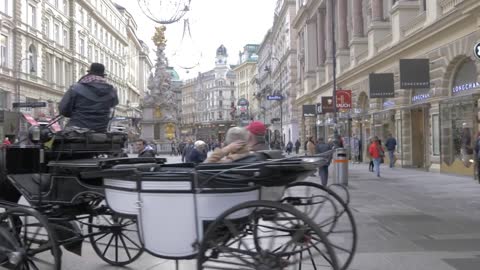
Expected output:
{"points": [[187, 56], [164, 11]]}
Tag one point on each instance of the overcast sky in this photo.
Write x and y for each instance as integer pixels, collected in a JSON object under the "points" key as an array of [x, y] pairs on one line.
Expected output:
{"points": [[232, 23]]}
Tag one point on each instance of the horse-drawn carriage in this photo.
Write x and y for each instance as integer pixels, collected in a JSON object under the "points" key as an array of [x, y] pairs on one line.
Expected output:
{"points": [[251, 214]]}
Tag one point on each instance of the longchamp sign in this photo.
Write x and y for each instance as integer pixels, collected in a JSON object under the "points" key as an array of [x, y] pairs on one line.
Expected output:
{"points": [[381, 85], [414, 73]]}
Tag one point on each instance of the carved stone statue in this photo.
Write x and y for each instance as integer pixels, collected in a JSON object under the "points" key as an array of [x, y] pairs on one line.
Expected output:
{"points": [[162, 98]]}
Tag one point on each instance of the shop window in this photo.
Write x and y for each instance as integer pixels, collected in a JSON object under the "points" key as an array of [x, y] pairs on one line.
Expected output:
{"points": [[436, 135], [457, 133]]}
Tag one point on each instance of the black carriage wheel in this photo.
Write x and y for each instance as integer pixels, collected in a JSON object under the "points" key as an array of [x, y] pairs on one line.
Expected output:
{"points": [[339, 228], [29, 239], [115, 239], [228, 243]]}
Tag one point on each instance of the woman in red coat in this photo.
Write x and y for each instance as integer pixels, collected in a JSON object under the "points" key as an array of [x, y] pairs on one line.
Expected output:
{"points": [[377, 152]]}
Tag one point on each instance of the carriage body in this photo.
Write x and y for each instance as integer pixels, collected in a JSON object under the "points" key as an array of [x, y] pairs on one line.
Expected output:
{"points": [[176, 203]]}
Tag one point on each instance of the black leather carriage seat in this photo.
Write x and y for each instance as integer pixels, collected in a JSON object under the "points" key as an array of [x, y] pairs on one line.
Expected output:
{"points": [[78, 144], [30, 185]]}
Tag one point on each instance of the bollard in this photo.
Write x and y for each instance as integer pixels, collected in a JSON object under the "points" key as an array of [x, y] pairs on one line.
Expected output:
{"points": [[340, 167]]}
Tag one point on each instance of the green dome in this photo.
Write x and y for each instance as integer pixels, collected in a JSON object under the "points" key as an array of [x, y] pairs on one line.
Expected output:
{"points": [[173, 73]]}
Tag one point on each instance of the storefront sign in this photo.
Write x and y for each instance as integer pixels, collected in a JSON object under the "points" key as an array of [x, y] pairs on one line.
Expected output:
{"points": [[420, 95], [309, 110], [327, 105], [242, 102], [344, 99], [388, 104], [476, 50], [275, 97], [414, 73], [465, 87], [381, 85]]}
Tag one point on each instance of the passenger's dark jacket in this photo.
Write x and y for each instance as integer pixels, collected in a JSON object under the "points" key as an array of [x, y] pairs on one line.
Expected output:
{"points": [[88, 104], [197, 156], [147, 152], [321, 148]]}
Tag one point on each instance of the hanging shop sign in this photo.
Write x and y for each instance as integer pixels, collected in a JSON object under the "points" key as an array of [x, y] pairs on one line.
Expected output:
{"points": [[476, 50], [381, 85], [344, 99], [414, 73], [465, 87], [309, 110], [388, 104], [275, 97], [327, 105]]}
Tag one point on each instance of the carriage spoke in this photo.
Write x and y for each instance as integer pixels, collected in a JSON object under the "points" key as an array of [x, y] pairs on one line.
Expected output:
{"points": [[131, 241], [116, 247], [108, 245], [125, 246], [311, 259], [100, 238]]}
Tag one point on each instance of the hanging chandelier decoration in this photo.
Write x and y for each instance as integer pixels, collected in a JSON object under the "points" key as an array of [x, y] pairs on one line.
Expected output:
{"points": [[164, 11], [187, 56]]}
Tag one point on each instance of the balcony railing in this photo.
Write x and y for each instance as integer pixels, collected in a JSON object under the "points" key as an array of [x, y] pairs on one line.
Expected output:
{"points": [[448, 5], [414, 25]]}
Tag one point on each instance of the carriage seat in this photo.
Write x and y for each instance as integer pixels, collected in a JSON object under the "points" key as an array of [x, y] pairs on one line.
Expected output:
{"points": [[31, 184], [86, 140]]}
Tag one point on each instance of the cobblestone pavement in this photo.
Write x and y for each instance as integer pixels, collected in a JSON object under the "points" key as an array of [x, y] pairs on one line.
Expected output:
{"points": [[408, 219]]}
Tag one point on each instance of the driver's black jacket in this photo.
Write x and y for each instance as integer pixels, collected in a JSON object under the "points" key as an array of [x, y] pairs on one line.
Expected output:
{"points": [[88, 104]]}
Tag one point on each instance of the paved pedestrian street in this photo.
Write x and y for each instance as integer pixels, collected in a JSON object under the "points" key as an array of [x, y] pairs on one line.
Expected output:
{"points": [[407, 219]]}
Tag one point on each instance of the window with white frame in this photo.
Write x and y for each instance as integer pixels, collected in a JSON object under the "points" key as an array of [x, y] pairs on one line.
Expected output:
{"points": [[81, 44], [56, 32], [47, 28], [89, 53], [4, 6], [65, 7], [58, 72], [3, 50], [65, 37], [32, 16], [82, 17], [96, 55]]}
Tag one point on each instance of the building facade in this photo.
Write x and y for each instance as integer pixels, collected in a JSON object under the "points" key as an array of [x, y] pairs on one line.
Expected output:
{"points": [[436, 128], [207, 101], [245, 72], [278, 65], [47, 45]]}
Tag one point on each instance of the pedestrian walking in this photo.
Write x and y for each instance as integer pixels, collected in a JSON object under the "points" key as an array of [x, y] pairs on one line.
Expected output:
{"points": [[297, 146], [377, 153], [186, 151], [322, 148], [355, 148], [144, 150], [391, 145], [198, 153], [289, 147], [477, 152], [310, 147]]}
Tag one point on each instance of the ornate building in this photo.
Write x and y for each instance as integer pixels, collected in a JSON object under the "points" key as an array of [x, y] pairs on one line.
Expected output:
{"points": [[435, 126], [246, 86], [47, 45], [208, 99], [277, 74]]}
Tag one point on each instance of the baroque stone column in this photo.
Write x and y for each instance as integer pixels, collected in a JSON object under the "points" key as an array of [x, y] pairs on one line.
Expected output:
{"points": [[402, 13], [343, 53], [358, 44], [377, 10], [321, 46], [378, 28], [329, 37]]}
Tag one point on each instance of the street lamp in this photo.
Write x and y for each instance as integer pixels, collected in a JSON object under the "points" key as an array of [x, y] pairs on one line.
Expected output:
{"points": [[336, 140]]}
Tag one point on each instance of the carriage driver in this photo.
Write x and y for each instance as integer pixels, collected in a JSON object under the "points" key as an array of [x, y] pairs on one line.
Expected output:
{"points": [[88, 103]]}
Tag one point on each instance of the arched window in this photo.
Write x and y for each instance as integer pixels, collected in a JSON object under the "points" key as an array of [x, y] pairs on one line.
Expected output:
{"points": [[32, 55], [59, 72], [466, 73]]}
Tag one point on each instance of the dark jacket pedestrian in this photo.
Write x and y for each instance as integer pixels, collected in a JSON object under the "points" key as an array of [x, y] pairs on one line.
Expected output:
{"points": [[289, 147], [144, 150], [297, 146], [186, 151], [88, 103], [323, 148], [198, 153]]}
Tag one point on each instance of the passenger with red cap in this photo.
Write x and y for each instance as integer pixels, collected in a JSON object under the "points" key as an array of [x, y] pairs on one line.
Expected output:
{"points": [[256, 138]]}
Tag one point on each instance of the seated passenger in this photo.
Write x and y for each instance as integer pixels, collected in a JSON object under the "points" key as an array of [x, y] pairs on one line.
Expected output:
{"points": [[198, 153], [256, 136], [236, 147], [88, 103]]}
